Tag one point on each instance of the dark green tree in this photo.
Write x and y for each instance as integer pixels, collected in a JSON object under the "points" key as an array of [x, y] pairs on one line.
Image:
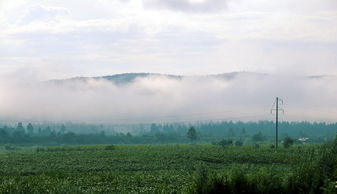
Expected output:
{"points": [[3, 135], [258, 137], [39, 131], [30, 129], [243, 134], [20, 127], [231, 133], [287, 141], [19, 131], [225, 142], [192, 134], [154, 129], [63, 129]]}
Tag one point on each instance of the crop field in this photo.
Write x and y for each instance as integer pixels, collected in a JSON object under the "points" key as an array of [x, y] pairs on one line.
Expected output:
{"points": [[138, 168]]}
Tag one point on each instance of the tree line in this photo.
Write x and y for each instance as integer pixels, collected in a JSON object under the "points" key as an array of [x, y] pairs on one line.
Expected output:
{"points": [[237, 132]]}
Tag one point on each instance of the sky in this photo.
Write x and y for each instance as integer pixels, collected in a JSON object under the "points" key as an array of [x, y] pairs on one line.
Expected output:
{"points": [[48, 39], [286, 41]]}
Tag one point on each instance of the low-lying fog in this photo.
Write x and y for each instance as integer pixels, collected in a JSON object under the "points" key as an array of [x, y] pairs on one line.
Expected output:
{"points": [[160, 98]]}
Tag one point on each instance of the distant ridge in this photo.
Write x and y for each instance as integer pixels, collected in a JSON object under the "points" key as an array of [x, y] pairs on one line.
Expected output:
{"points": [[125, 78], [119, 79]]}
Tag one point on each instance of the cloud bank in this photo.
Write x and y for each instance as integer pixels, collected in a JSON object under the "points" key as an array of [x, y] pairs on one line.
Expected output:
{"points": [[159, 98], [188, 5], [43, 13], [169, 36]]}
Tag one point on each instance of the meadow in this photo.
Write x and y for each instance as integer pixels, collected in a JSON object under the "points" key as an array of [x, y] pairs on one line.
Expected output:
{"points": [[172, 168]]}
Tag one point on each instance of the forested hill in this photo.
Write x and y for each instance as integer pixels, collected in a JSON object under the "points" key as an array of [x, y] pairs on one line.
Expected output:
{"points": [[125, 78], [119, 78]]}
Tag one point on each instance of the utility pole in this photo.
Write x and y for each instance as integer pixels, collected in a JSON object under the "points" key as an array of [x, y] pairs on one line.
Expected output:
{"points": [[277, 109]]}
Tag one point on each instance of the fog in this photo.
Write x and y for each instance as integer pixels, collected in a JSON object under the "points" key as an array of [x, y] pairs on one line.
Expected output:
{"points": [[160, 98]]}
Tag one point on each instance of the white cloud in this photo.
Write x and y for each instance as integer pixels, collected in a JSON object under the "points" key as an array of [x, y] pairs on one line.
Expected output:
{"points": [[188, 5], [74, 38], [43, 13], [117, 36]]}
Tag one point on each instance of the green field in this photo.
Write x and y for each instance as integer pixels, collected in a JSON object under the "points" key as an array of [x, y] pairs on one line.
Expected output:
{"points": [[141, 168]]}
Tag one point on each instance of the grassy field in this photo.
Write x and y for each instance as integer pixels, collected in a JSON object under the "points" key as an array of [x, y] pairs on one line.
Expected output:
{"points": [[139, 168]]}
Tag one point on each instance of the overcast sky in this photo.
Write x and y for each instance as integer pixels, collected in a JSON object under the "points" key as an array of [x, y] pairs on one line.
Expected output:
{"points": [[64, 38], [49, 39]]}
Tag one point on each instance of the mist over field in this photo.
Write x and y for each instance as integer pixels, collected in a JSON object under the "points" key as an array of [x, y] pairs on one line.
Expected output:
{"points": [[168, 96], [145, 98]]}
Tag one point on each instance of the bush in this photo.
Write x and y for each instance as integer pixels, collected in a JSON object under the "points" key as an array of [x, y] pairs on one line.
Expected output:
{"points": [[205, 183], [224, 142], [287, 142], [10, 148], [75, 148], [109, 147], [316, 176], [238, 143], [258, 137]]}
